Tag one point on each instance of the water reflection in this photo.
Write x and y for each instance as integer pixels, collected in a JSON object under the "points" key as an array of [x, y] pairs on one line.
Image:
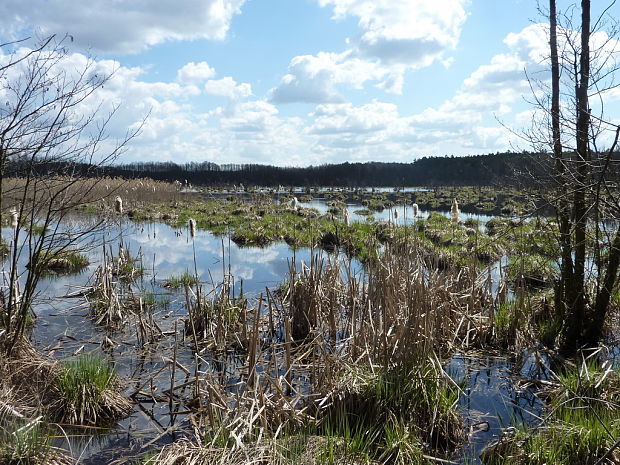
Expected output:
{"points": [[491, 402], [63, 328], [400, 214]]}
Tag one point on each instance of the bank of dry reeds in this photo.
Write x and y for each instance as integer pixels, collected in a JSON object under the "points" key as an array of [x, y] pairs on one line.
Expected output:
{"points": [[399, 308], [332, 360], [99, 192]]}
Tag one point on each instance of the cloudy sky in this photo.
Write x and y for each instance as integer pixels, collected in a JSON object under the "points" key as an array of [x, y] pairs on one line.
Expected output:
{"points": [[299, 82]]}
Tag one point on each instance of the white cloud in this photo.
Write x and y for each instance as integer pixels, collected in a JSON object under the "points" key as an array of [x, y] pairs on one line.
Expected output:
{"points": [[251, 117], [396, 35], [314, 78], [122, 26], [410, 32], [195, 73], [228, 87], [250, 129], [346, 118]]}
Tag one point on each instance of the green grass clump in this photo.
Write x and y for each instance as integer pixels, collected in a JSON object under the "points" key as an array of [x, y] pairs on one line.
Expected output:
{"points": [[87, 391], [582, 426], [25, 443], [531, 270], [127, 267], [219, 320], [509, 319], [391, 415], [549, 330], [364, 212], [178, 281], [62, 261]]}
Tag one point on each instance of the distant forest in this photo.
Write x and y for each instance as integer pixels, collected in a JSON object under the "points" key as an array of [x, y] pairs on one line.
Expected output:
{"points": [[511, 168], [517, 169]]}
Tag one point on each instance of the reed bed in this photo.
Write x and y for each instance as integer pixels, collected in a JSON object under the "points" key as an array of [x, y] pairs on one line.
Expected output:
{"points": [[99, 192], [334, 367], [109, 297], [218, 319], [399, 299]]}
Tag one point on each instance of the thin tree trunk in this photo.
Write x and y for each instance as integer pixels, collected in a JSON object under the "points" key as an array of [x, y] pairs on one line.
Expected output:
{"points": [[574, 323], [563, 290], [594, 330]]}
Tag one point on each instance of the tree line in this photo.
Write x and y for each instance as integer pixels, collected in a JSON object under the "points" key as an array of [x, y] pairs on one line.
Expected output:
{"points": [[428, 171]]}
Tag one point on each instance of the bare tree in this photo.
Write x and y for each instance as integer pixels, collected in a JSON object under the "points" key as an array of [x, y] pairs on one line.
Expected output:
{"points": [[53, 141], [584, 57]]}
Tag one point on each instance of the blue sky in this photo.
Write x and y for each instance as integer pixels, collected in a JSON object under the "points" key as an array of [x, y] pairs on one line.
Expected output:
{"points": [[300, 82]]}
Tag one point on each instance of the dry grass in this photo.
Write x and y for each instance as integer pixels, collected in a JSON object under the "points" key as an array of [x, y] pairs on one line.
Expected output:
{"points": [[31, 386], [217, 319], [399, 310], [109, 297], [99, 192], [331, 356]]}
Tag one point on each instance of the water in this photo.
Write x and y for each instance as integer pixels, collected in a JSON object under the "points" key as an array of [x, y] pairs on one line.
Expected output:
{"points": [[491, 402], [63, 329], [400, 215]]}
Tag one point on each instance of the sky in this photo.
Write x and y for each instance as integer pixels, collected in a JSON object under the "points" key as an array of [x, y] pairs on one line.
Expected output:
{"points": [[305, 82]]}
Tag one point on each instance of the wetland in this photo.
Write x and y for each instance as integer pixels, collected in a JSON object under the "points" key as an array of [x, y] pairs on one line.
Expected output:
{"points": [[314, 325]]}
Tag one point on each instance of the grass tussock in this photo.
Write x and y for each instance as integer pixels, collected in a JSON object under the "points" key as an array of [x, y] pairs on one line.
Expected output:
{"points": [[531, 271], [178, 281], [29, 442], [394, 414], [87, 389], [62, 261], [582, 425], [125, 266], [81, 392], [26, 379]]}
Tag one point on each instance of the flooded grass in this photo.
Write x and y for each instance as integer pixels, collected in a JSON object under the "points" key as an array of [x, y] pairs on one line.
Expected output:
{"points": [[28, 442], [581, 426], [62, 261], [178, 281], [311, 336], [87, 390]]}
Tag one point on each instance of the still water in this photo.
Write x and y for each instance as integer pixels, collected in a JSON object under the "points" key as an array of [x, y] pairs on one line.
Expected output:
{"points": [[63, 329]]}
